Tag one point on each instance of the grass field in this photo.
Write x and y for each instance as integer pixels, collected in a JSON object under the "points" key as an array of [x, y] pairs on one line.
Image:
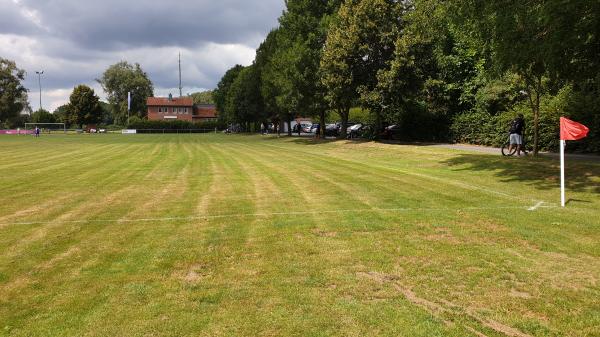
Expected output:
{"points": [[213, 235]]}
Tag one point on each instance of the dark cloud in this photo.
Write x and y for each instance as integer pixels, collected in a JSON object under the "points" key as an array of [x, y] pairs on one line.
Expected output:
{"points": [[118, 24], [74, 41]]}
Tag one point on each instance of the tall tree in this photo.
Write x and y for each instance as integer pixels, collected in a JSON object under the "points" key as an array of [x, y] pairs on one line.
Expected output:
{"points": [[42, 116], [203, 97], [221, 93], [537, 39], [302, 34], [84, 107], [264, 62], [360, 45], [117, 81], [13, 95], [244, 100]]}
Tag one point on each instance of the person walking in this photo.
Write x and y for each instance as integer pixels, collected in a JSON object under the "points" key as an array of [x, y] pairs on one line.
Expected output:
{"points": [[37, 132], [516, 134]]}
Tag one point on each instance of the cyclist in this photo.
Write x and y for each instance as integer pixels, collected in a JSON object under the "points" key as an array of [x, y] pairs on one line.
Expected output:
{"points": [[516, 134]]}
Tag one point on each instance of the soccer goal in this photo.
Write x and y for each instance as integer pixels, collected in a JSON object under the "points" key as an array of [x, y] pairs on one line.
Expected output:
{"points": [[47, 127]]}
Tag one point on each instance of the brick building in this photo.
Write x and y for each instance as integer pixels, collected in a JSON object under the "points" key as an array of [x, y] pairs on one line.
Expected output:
{"points": [[179, 108]]}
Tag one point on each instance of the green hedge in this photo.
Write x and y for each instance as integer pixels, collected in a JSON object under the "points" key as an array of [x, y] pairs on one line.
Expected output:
{"points": [[482, 128], [136, 123]]}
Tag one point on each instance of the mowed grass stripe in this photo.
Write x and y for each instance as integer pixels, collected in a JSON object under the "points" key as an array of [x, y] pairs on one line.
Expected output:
{"points": [[33, 190], [416, 173], [397, 191], [122, 171], [295, 274], [35, 242], [312, 260], [120, 230]]}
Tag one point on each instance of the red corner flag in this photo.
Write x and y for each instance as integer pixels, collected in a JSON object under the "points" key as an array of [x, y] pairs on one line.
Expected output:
{"points": [[570, 130]]}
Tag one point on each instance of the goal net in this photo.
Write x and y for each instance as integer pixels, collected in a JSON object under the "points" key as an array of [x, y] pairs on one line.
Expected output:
{"points": [[46, 127]]}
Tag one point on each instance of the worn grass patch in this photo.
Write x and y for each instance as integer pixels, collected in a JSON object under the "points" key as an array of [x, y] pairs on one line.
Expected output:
{"points": [[214, 235]]}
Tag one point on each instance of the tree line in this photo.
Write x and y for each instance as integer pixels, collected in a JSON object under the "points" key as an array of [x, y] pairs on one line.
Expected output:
{"points": [[437, 69], [84, 106]]}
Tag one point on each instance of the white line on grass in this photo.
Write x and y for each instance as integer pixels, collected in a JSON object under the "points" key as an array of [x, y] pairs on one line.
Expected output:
{"points": [[241, 215], [536, 206]]}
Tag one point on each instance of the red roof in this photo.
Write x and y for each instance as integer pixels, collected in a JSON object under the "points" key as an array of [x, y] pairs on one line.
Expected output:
{"points": [[176, 101]]}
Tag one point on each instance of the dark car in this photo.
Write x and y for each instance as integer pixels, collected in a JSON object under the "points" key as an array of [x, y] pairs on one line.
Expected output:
{"points": [[331, 130], [391, 132]]}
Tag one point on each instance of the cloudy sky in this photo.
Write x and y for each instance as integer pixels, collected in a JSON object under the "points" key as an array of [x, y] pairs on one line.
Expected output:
{"points": [[74, 41]]}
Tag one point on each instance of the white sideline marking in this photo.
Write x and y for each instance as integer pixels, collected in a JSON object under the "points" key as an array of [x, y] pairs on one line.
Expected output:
{"points": [[241, 215], [538, 205]]}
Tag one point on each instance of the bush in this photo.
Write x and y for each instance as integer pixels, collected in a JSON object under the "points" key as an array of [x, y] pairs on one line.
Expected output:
{"points": [[171, 125], [482, 128]]}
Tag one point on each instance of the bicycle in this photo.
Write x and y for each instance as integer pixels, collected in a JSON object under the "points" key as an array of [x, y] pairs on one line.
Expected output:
{"points": [[506, 148]]}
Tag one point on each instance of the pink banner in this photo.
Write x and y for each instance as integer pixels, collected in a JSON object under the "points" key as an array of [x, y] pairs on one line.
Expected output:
{"points": [[16, 132]]}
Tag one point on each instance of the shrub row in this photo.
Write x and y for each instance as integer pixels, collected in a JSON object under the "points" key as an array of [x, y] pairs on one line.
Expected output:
{"points": [[140, 124], [483, 128]]}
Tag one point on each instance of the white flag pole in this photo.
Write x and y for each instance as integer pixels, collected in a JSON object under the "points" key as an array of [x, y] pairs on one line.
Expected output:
{"points": [[563, 201]]}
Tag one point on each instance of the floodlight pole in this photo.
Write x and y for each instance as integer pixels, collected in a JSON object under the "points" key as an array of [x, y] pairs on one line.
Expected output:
{"points": [[40, 73], [128, 105]]}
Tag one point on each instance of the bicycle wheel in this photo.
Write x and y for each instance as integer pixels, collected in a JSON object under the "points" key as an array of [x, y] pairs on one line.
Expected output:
{"points": [[506, 148]]}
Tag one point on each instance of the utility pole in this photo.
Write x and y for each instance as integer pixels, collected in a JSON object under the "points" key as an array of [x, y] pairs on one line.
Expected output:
{"points": [[128, 105], [40, 73], [180, 88]]}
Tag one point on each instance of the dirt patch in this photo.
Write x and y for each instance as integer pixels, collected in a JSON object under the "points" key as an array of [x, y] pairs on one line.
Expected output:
{"points": [[440, 307], [520, 294], [324, 234], [195, 273]]}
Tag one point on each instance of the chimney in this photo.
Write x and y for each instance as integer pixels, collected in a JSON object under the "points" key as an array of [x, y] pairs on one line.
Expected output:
{"points": [[170, 97]]}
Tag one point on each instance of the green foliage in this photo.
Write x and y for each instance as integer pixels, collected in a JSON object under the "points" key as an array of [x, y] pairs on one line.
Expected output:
{"points": [[433, 67], [484, 128], [61, 114], [42, 116], [204, 97], [244, 99], [13, 95], [142, 124], [222, 91], [84, 107], [117, 81]]}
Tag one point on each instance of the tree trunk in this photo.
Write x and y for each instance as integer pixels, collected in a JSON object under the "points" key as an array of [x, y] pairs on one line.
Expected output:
{"points": [[322, 125], [377, 124], [344, 115], [534, 101]]}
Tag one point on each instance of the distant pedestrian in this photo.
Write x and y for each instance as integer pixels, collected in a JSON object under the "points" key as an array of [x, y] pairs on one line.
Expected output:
{"points": [[516, 134], [299, 128], [37, 131]]}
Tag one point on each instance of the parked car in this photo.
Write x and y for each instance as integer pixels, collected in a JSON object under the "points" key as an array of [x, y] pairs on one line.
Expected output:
{"points": [[348, 124], [354, 131], [306, 127], [331, 130], [391, 132]]}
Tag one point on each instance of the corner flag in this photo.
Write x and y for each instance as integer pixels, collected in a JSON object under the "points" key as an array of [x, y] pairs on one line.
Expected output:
{"points": [[569, 130]]}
